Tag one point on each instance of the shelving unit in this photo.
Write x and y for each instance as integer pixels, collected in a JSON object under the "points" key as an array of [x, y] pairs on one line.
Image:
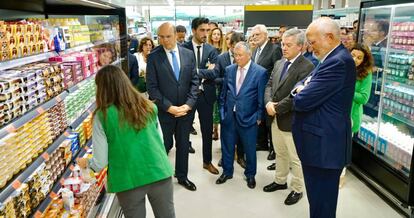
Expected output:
{"points": [[49, 9]]}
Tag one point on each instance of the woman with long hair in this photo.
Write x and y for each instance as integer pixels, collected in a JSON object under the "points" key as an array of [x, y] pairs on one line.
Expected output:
{"points": [[126, 139], [364, 63], [216, 39], [145, 46]]}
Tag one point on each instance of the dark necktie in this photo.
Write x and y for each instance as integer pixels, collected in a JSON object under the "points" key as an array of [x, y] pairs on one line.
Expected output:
{"points": [[234, 60], [284, 70], [198, 56]]}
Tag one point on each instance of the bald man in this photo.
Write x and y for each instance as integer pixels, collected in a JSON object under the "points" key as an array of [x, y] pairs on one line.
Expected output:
{"points": [[322, 124], [172, 83]]}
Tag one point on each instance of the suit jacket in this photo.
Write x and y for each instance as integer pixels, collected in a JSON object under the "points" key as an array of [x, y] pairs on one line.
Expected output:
{"points": [[249, 102], [279, 90], [268, 56], [223, 61], [322, 124], [209, 55], [133, 69], [164, 88]]}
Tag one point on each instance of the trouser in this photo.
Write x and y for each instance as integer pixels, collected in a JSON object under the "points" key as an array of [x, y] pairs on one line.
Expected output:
{"points": [[179, 129], [232, 133], [205, 116], [160, 195], [322, 190], [286, 157]]}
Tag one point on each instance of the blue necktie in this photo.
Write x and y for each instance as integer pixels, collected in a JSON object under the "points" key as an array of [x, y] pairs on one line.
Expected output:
{"points": [[284, 70], [176, 67]]}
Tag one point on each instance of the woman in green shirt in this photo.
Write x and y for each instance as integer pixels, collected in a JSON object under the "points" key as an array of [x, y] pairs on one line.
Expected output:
{"points": [[364, 63], [126, 139]]}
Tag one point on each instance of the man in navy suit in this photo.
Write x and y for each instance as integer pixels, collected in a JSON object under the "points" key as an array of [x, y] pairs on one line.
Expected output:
{"points": [[322, 124], [224, 60], [172, 83], [205, 56], [241, 108]]}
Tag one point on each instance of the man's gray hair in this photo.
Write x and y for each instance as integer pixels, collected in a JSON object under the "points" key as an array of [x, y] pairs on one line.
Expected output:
{"points": [[298, 34], [244, 45], [262, 28], [327, 25]]}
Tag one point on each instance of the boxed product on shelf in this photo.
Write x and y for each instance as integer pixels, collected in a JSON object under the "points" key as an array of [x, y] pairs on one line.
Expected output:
{"points": [[87, 127], [77, 102]]}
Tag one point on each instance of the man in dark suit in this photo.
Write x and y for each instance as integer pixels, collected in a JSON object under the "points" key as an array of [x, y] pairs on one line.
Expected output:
{"points": [[241, 109], [133, 67], [265, 54], [172, 83], [224, 60], [279, 106], [205, 56], [322, 124]]}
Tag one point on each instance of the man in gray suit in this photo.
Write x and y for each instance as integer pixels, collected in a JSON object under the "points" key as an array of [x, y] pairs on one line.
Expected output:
{"points": [[265, 55], [279, 106]]}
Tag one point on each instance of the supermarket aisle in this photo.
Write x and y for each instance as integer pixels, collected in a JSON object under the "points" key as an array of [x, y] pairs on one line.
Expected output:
{"points": [[234, 199]]}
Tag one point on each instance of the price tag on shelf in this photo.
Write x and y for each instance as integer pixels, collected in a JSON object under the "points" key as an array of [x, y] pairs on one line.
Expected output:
{"points": [[10, 128], [53, 195], [45, 156], [38, 214], [390, 113], [16, 184], [40, 110], [66, 133], [71, 167], [58, 98]]}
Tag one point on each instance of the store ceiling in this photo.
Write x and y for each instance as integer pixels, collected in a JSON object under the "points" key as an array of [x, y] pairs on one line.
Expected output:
{"points": [[188, 2]]}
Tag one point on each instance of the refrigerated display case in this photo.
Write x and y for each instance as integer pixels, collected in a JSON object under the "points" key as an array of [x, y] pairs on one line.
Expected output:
{"points": [[382, 150]]}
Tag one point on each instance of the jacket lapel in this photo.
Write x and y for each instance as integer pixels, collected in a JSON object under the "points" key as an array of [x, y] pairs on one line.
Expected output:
{"points": [[291, 71], [166, 62], [228, 59], [181, 62], [247, 78], [233, 80], [263, 52]]}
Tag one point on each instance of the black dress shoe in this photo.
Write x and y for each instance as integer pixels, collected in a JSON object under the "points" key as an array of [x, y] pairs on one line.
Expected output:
{"points": [[271, 166], [262, 148], [293, 198], [191, 149], [187, 184], [223, 178], [220, 163], [271, 155], [251, 182], [274, 186], [241, 162], [193, 131]]}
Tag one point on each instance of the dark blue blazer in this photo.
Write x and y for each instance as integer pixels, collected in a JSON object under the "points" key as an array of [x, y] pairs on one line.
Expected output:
{"points": [[322, 124], [249, 101], [133, 69], [162, 85], [209, 55], [223, 61]]}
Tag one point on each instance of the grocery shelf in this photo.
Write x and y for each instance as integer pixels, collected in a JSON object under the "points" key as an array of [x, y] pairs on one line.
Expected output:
{"points": [[20, 121], [80, 84], [78, 121], [55, 189], [4, 65], [397, 81], [398, 117], [22, 177], [8, 190]]}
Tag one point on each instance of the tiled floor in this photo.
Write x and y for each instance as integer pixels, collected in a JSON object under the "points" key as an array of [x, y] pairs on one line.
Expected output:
{"points": [[235, 199]]}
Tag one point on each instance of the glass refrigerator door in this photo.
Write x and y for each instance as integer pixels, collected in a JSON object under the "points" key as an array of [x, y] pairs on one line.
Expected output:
{"points": [[374, 27], [396, 132]]}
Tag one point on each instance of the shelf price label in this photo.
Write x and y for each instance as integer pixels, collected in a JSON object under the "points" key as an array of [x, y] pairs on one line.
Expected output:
{"points": [[45, 156], [390, 113], [40, 110], [16, 184], [10, 128]]}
